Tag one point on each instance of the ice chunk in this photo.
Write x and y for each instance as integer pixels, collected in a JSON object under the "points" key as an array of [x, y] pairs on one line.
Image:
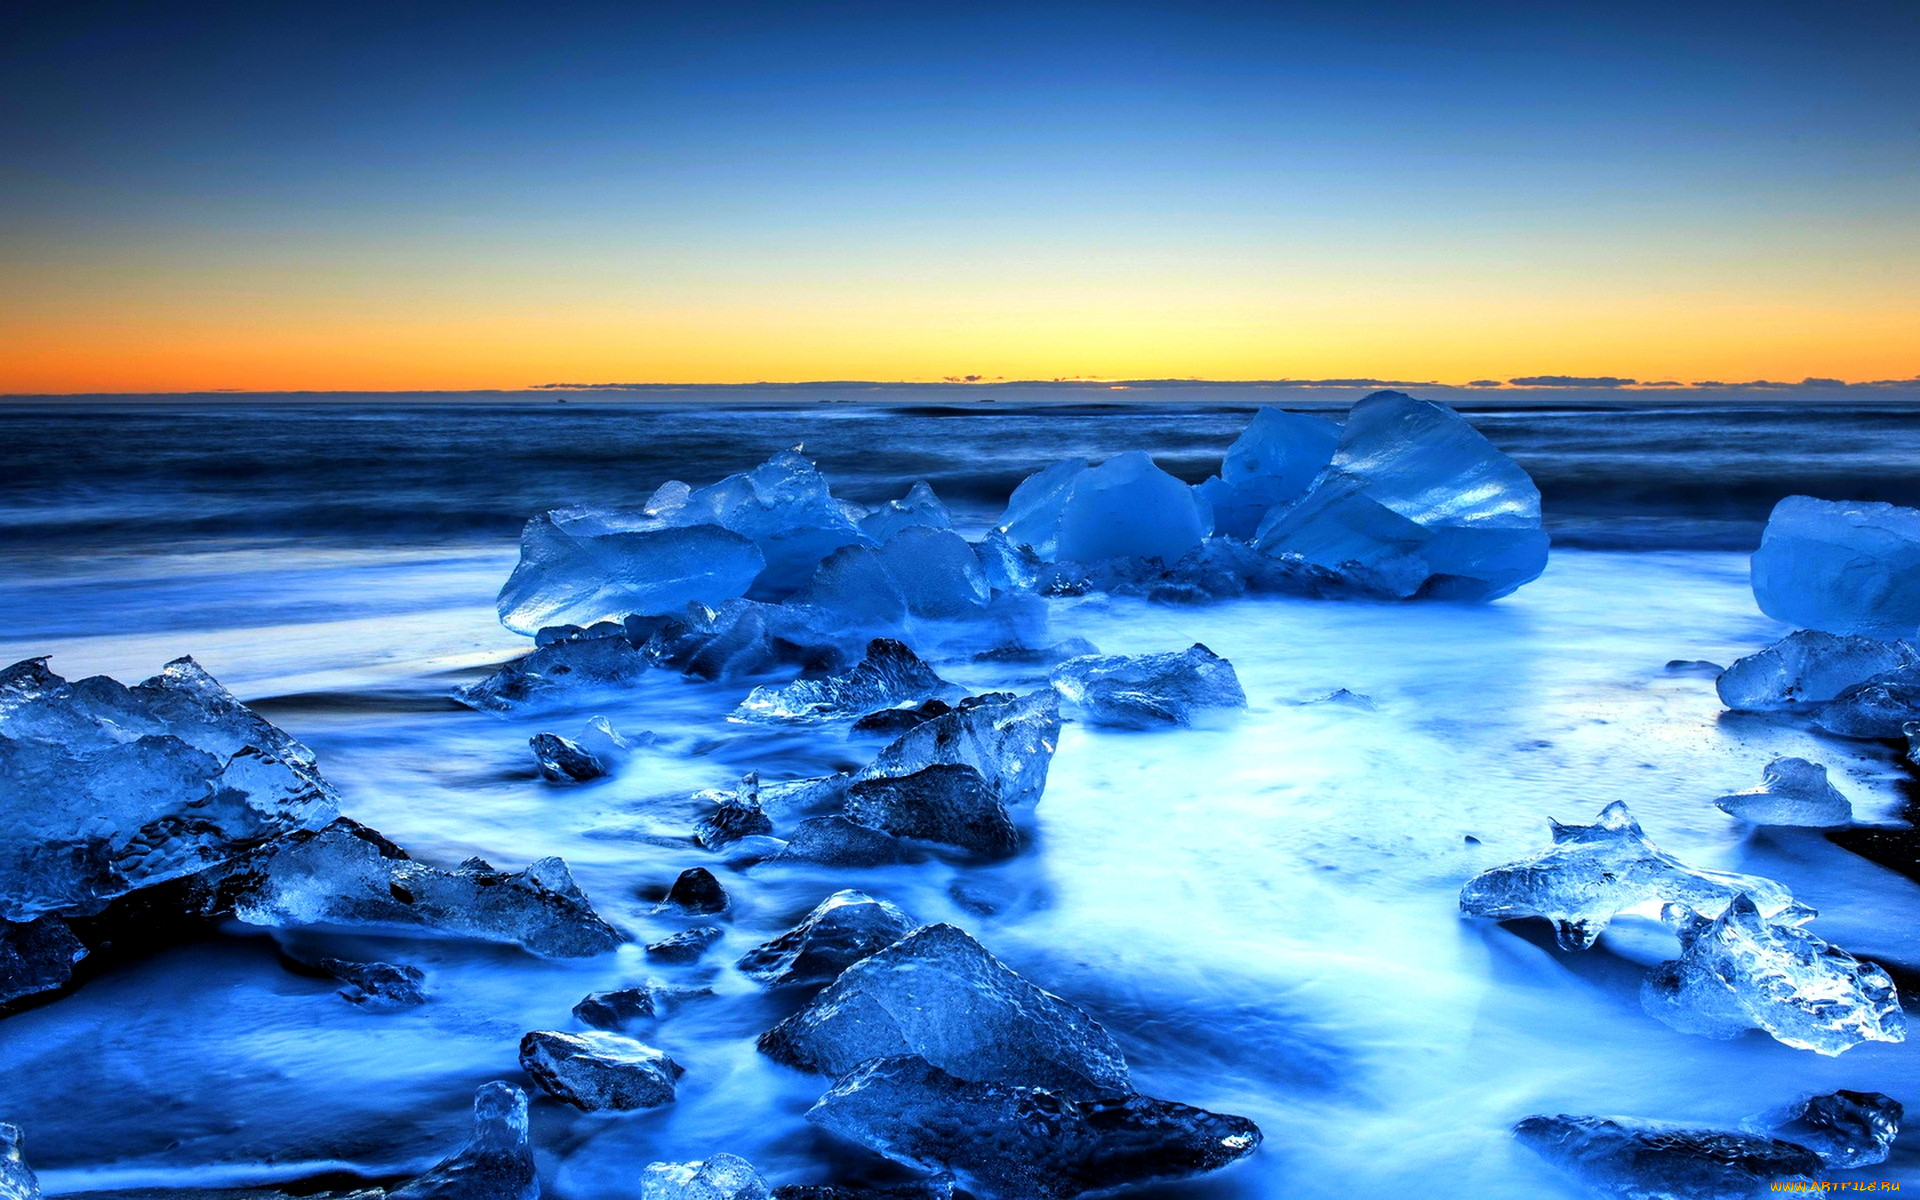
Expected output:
{"points": [[598, 1071], [892, 722], [1882, 707], [1840, 566], [939, 1187], [890, 674], [696, 891], [1124, 508], [346, 874], [1025, 1143], [1009, 740], [839, 841], [721, 1177], [746, 637], [557, 673], [920, 575], [564, 761], [841, 930], [1740, 971], [615, 1010], [17, 1180], [735, 814], [948, 803], [1846, 1129], [785, 506], [109, 788], [1415, 502], [687, 946], [1149, 691], [939, 994], [1654, 1160], [1794, 792], [1591, 872], [377, 984], [495, 1164], [1274, 461], [582, 565], [36, 956], [1808, 667], [920, 508]]}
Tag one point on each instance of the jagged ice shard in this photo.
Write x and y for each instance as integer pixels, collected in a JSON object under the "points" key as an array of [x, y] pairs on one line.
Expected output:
{"points": [[1793, 792], [1009, 741], [1414, 503], [1740, 971], [1124, 508], [1149, 691], [17, 1180], [1273, 462], [1808, 667], [1593, 872], [888, 675], [843, 929], [1841, 566], [1653, 1160], [495, 1164]]}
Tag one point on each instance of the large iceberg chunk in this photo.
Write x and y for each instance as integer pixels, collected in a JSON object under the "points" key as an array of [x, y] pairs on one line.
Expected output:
{"points": [[1010, 740], [889, 675], [1149, 691], [1025, 1143], [841, 930], [582, 565], [598, 1071], [920, 575], [109, 788], [17, 1180], [1415, 502], [940, 995], [1841, 566], [920, 508], [1808, 667], [1591, 872], [1654, 1160], [1793, 791], [495, 1164], [1740, 971], [1274, 461], [1124, 508]]}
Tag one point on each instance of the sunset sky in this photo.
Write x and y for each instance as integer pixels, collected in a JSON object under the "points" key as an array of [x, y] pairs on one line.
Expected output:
{"points": [[407, 196]]}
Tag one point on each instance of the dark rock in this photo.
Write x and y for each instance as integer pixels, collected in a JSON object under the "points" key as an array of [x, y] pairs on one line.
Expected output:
{"points": [[556, 672], [1045, 656], [562, 761], [1630, 1158], [1846, 1129], [377, 984], [734, 817], [947, 803], [686, 946], [892, 722], [36, 956], [598, 1071], [843, 929], [840, 841], [615, 1010], [697, 891]]}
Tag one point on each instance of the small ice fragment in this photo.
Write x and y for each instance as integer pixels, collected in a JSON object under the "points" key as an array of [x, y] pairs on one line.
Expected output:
{"points": [[1009, 740], [1274, 461], [36, 956], [948, 803], [1808, 667], [919, 508], [1740, 971], [939, 994], [17, 1180], [1343, 698], [377, 984], [1126, 507], [598, 1071], [720, 1177], [557, 673], [841, 930], [735, 815], [1794, 792], [495, 1164], [890, 674], [1591, 872], [839, 841], [615, 1010], [564, 761], [1654, 1160], [1149, 691], [582, 565], [1882, 707], [696, 891], [1695, 666], [686, 946], [1843, 566], [1846, 1129]]}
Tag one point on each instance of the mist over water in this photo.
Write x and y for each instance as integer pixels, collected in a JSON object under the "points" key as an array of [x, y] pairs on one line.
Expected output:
{"points": [[1261, 910]]}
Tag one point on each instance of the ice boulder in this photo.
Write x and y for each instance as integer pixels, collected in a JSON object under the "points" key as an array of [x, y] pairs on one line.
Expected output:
{"points": [[839, 841], [1882, 707], [1273, 462], [841, 930], [736, 814], [1793, 791], [1592, 872], [1740, 971], [1414, 503], [17, 1180], [1008, 739], [558, 673], [563, 760], [720, 1177], [581, 565], [36, 956], [939, 994], [1808, 667], [1149, 691], [109, 788], [949, 803], [1124, 508], [1013, 1142], [919, 576], [377, 985], [889, 674], [919, 509], [1846, 1129], [1653, 1160], [687, 946], [1841, 566], [598, 1071], [495, 1164]]}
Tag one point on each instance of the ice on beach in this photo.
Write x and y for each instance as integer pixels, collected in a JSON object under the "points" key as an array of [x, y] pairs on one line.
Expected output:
{"points": [[1414, 502], [841, 930], [495, 1164], [1273, 461], [598, 1071], [1808, 667], [1846, 1129], [1793, 791], [17, 1179], [890, 674], [109, 788], [919, 576], [719, 1177], [1740, 971], [1842, 566], [939, 994], [919, 508], [1593, 872], [949, 803], [1149, 691], [1009, 740], [348, 875], [1882, 707], [582, 565], [557, 673], [1654, 1160], [839, 841], [1126, 507], [1014, 1142], [36, 956]]}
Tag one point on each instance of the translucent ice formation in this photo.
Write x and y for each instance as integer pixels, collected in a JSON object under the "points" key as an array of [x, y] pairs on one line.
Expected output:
{"points": [[843, 929], [1124, 508], [582, 565], [1740, 971], [1653, 1160], [1024, 1143], [920, 508], [1149, 691], [949, 803], [377, 985], [495, 1164], [1846, 1129], [1010, 740], [557, 673], [598, 1071], [564, 761], [1592, 872], [939, 994], [919, 576], [1882, 707], [1841, 566], [840, 841], [735, 814], [36, 956], [890, 674], [109, 788], [17, 1180], [1793, 792], [1273, 462], [1415, 502], [1808, 667], [720, 1177]]}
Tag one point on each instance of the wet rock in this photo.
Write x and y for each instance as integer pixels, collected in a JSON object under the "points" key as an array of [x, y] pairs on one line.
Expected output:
{"points": [[949, 804], [840, 841], [1592, 872], [1022, 1143], [889, 674], [892, 722], [377, 984], [563, 761], [1652, 1160], [598, 1071], [1699, 667], [697, 891], [719, 1177], [1740, 971], [1846, 1129], [1149, 691], [686, 946], [1805, 668], [1793, 792], [495, 1164], [734, 815], [17, 1180], [843, 929], [556, 674], [1009, 742], [615, 1010], [36, 956], [939, 994]]}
